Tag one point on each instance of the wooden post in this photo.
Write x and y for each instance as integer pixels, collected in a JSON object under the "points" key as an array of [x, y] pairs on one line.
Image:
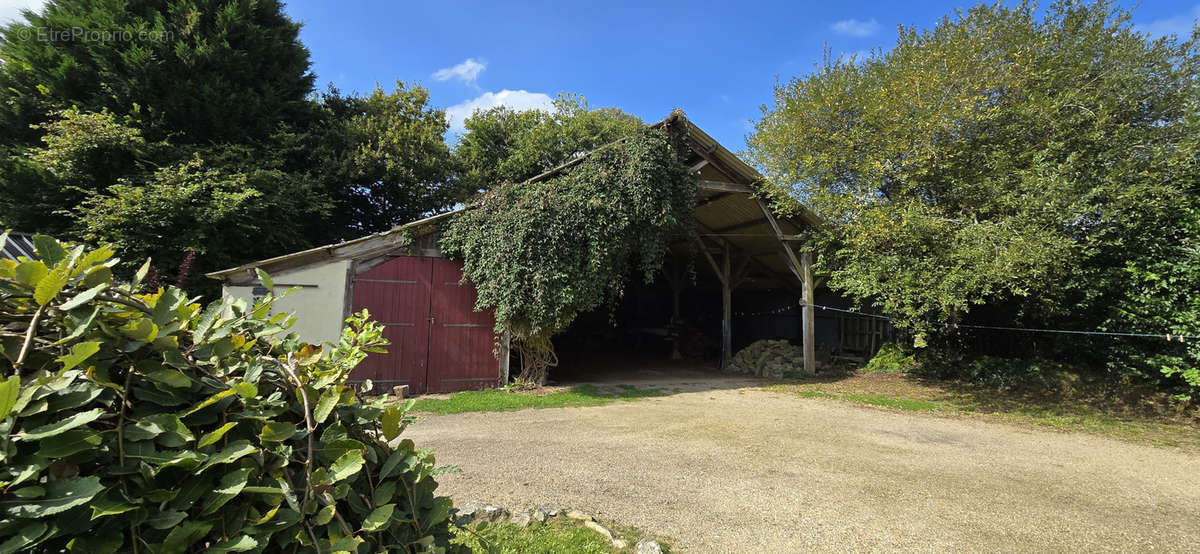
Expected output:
{"points": [[810, 361], [505, 355], [726, 312]]}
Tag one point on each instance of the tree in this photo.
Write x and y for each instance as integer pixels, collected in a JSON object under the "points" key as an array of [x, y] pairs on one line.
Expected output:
{"points": [[196, 71], [996, 159], [986, 158], [382, 158], [502, 145]]}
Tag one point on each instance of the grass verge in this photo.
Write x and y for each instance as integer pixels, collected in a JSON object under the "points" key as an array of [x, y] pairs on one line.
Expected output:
{"points": [[498, 400], [554, 536], [1065, 413]]}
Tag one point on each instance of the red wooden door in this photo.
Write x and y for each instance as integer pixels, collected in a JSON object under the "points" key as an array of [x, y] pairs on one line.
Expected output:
{"points": [[397, 295], [462, 340]]}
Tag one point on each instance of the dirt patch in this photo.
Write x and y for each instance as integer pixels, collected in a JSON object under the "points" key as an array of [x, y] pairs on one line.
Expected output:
{"points": [[730, 469]]}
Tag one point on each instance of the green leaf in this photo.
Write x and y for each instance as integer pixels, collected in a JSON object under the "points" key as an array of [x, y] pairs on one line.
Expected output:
{"points": [[230, 486], [61, 495], [170, 377], [345, 544], [325, 515], [79, 353], [277, 431], [96, 276], [240, 543], [325, 404], [29, 492], [346, 466], [246, 390], [10, 389], [29, 273], [24, 536], [265, 279], [61, 426], [215, 435], [106, 543], [384, 493], [48, 249], [140, 275], [184, 535], [207, 402], [142, 329], [71, 442], [390, 422], [378, 518], [49, 286], [110, 503], [165, 519], [83, 297], [235, 450]]}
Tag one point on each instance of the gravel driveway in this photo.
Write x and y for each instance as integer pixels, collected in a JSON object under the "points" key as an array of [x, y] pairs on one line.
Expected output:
{"points": [[737, 469]]}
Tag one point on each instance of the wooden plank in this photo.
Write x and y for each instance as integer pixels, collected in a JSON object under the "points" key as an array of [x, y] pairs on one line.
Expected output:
{"points": [[724, 187], [808, 323]]}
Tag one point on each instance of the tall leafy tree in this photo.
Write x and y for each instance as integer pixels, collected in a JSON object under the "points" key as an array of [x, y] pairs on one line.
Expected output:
{"points": [[503, 145], [1003, 158], [382, 159], [196, 71]]}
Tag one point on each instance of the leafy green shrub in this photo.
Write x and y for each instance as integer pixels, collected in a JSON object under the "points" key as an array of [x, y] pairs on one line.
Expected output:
{"points": [[149, 423], [890, 359], [543, 252]]}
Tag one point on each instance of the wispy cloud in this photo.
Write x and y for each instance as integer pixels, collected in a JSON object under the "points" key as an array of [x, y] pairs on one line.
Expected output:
{"points": [[10, 10], [467, 72], [1179, 25], [519, 100], [856, 27]]}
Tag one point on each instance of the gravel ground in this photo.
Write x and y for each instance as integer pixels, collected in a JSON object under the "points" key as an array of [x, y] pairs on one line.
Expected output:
{"points": [[721, 467]]}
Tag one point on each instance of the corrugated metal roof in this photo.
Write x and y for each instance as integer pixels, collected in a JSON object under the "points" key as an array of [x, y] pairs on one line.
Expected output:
{"points": [[18, 245]]}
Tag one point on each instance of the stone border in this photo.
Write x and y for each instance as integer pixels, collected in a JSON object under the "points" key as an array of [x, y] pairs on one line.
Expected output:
{"points": [[472, 512]]}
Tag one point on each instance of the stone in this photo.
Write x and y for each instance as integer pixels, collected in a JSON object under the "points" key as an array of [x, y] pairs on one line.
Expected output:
{"points": [[550, 511], [466, 513], [602, 530], [619, 544], [577, 515], [494, 514], [538, 515], [478, 511], [521, 518], [647, 546]]}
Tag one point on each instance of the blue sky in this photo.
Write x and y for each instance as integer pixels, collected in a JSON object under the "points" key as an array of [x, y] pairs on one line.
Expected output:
{"points": [[717, 61]]}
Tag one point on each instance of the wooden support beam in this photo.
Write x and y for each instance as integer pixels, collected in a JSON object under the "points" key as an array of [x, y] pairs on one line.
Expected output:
{"points": [[726, 312], [808, 321], [724, 187], [705, 231]]}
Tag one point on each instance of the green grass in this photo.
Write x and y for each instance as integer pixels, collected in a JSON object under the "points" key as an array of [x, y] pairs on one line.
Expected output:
{"points": [[557, 535], [507, 538], [498, 400], [1064, 413]]}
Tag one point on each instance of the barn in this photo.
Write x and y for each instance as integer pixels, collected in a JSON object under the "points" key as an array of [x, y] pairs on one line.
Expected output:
{"points": [[750, 283]]}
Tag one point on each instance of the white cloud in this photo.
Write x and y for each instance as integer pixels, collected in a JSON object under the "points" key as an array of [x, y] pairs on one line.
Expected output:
{"points": [[855, 27], [466, 72], [519, 100], [10, 10], [1180, 25]]}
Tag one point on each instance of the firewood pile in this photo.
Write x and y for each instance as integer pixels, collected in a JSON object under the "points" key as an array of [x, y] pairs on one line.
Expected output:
{"points": [[769, 358]]}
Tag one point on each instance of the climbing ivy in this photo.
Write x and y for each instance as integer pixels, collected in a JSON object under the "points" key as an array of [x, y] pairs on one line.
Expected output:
{"points": [[543, 251]]}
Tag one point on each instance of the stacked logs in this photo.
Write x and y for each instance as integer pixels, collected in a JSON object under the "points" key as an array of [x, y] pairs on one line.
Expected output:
{"points": [[769, 358]]}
